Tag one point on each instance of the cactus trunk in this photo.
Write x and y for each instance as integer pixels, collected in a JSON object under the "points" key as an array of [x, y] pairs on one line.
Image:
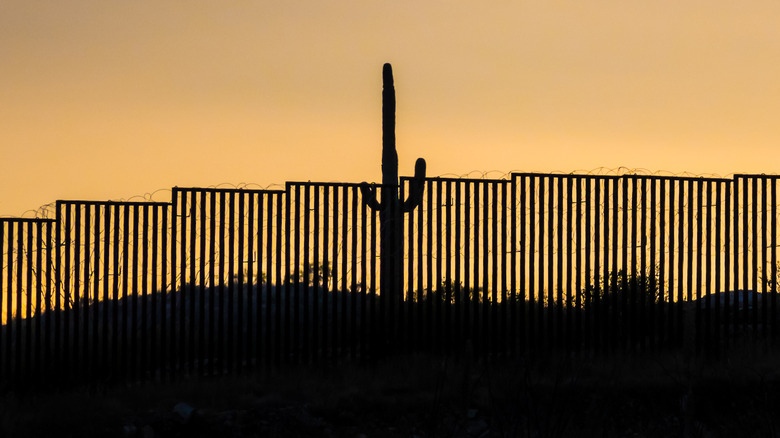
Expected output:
{"points": [[391, 208], [389, 217]]}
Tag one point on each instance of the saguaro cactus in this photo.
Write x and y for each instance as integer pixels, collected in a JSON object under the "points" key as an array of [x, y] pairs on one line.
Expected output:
{"points": [[391, 208]]}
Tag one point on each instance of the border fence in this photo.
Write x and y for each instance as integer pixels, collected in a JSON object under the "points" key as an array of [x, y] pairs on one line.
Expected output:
{"points": [[233, 280]]}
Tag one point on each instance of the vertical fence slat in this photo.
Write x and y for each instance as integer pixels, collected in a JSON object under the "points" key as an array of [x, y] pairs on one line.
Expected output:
{"points": [[279, 284], [642, 317], [296, 267], [374, 229], [271, 332], [575, 321], [469, 289], [326, 270], [665, 295], [115, 362], [593, 298], [615, 306], [673, 303], [124, 302], [77, 267], [691, 220], [227, 301], [493, 305], [258, 281], [505, 304], [239, 296], [26, 332], [429, 316], [316, 270], [727, 258], [655, 286], [744, 311], [671, 283], [592, 265], [567, 285], [754, 245], [184, 350], [353, 314], [306, 285], [681, 259], [221, 341], [49, 310], [560, 231], [231, 298], [698, 248], [9, 302], [144, 357], [212, 326], [602, 265], [448, 300], [156, 291], [716, 322], [773, 261], [411, 297], [17, 323], [4, 354], [174, 290], [343, 317], [551, 301], [95, 302], [36, 367], [629, 272], [133, 351], [542, 302], [85, 302], [365, 255], [458, 282], [485, 319], [522, 239], [532, 304], [706, 257], [251, 286], [516, 297], [751, 248], [334, 329], [164, 332], [202, 287], [763, 269], [67, 291], [438, 287]]}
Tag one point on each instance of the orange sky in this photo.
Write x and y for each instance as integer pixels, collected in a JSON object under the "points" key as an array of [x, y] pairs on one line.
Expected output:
{"points": [[107, 100]]}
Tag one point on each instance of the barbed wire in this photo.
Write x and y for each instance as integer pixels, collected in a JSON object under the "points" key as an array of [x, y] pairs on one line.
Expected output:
{"points": [[47, 211]]}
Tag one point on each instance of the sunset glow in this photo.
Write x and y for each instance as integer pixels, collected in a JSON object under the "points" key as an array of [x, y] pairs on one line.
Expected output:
{"points": [[112, 100]]}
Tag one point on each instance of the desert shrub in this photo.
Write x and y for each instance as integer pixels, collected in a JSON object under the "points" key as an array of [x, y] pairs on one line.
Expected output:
{"points": [[447, 291], [609, 291], [624, 303]]}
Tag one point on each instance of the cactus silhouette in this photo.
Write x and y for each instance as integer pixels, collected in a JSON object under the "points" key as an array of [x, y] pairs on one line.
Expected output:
{"points": [[391, 208]]}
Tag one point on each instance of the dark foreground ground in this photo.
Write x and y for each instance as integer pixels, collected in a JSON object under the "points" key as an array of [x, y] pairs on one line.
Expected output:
{"points": [[738, 395]]}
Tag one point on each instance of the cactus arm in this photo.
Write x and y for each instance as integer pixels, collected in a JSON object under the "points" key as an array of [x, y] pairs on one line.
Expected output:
{"points": [[417, 187], [369, 196]]}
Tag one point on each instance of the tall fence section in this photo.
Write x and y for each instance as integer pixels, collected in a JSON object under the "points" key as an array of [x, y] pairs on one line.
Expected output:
{"points": [[231, 280]]}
